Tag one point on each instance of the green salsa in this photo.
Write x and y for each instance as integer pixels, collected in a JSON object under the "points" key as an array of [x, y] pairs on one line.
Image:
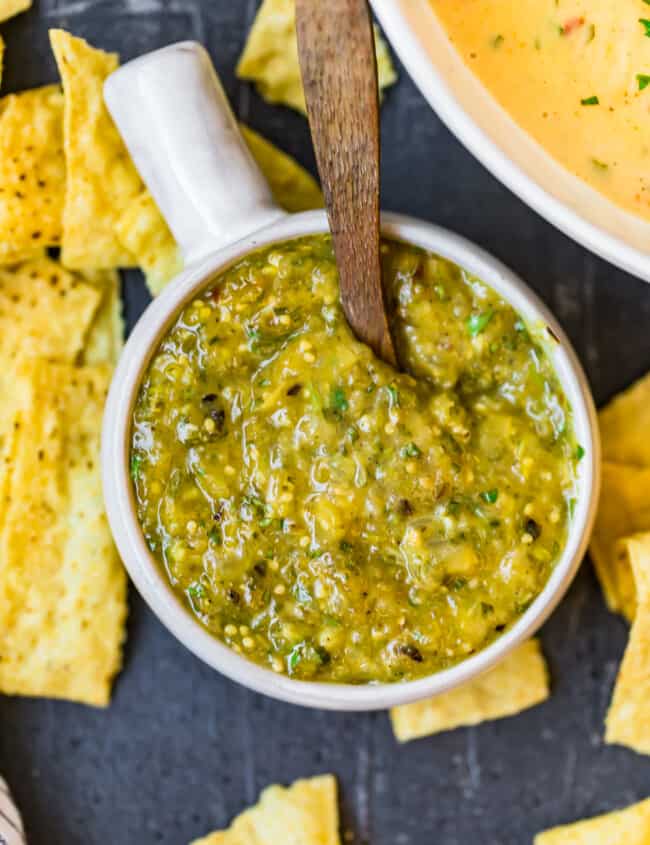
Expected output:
{"points": [[327, 516]]}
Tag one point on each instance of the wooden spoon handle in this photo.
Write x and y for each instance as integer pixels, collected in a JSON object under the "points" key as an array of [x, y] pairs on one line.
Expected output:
{"points": [[339, 71]]}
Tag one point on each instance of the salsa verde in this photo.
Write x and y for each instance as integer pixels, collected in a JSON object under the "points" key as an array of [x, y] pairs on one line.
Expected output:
{"points": [[327, 516]]}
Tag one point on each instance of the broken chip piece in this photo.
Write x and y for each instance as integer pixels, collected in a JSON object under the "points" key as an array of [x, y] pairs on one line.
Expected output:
{"points": [[520, 681], [630, 826], [624, 509], [628, 719], [305, 812], [101, 178], [63, 588], [624, 425], [270, 57]]}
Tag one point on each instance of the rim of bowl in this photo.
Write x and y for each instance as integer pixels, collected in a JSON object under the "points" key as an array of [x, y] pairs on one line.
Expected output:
{"points": [[149, 577], [415, 59]]}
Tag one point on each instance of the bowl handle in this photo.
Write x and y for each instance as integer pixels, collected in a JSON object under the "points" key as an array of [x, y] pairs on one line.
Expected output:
{"points": [[173, 114]]}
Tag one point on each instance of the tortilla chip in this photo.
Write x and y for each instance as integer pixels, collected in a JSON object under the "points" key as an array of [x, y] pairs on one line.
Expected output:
{"points": [[520, 681], [44, 310], [624, 509], [62, 587], [101, 178], [9, 8], [306, 813], [628, 719], [630, 826], [105, 339], [293, 187], [625, 423], [143, 232], [270, 57], [32, 171]]}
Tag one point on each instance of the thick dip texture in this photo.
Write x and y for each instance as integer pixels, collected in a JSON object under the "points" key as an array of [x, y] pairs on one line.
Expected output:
{"points": [[328, 517]]}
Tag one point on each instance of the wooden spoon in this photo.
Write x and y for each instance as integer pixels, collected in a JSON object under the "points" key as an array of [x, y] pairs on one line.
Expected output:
{"points": [[339, 72]]}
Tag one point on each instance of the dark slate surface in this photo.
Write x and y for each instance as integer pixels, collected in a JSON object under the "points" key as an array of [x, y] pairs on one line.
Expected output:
{"points": [[181, 749]]}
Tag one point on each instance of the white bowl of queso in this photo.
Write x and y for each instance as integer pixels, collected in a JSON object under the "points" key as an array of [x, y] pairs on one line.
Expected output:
{"points": [[309, 522], [553, 98]]}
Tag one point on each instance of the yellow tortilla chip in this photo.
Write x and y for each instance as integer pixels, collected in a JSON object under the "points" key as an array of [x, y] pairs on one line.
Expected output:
{"points": [[62, 587], [292, 186], [306, 813], [520, 681], [101, 178], [9, 8], [628, 719], [625, 423], [32, 171], [143, 232], [630, 826], [270, 57], [44, 310], [624, 509], [105, 338]]}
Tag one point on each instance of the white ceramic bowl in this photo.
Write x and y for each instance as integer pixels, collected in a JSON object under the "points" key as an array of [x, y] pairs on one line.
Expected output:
{"points": [[186, 143], [490, 134]]}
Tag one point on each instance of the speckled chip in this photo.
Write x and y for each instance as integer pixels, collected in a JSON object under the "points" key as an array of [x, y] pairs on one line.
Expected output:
{"points": [[101, 178], [63, 588], [628, 719], [305, 813], [520, 681], [44, 310], [630, 826], [624, 509], [32, 172], [270, 57]]}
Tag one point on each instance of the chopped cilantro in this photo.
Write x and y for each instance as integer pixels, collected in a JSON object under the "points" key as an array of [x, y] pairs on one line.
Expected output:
{"points": [[136, 463], [478, 322], [490, 496], [338, 400], [643, 79], [196, 591], [580, 452], [645, 23], [590, 101], [295, 656]]}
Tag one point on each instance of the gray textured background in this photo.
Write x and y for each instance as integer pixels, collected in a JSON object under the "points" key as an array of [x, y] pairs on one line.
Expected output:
{"points": [[182, 750]]}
